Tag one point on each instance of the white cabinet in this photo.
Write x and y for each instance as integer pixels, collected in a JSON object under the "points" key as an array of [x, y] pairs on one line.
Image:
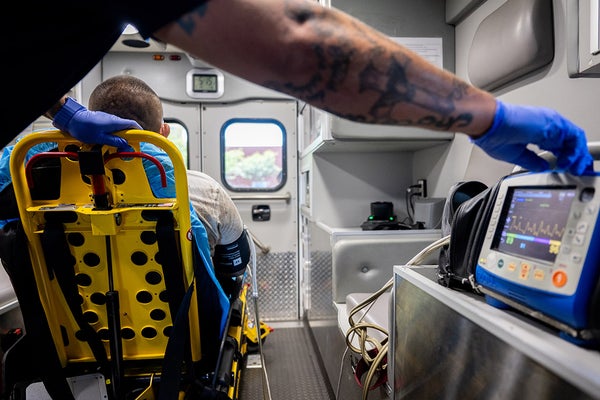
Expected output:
{"points": [[326, 132]]}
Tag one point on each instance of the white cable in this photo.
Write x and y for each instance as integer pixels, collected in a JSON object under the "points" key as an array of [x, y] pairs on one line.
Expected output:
{"points": [[266, 386], [253, 264], [339, 382]]}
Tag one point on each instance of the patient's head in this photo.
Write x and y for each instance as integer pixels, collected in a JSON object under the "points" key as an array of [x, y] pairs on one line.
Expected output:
{"points": [[129, 97]]}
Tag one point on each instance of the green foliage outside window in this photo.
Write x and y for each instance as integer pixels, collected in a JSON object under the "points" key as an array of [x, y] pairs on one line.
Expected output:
{"points": [[257, 167]]}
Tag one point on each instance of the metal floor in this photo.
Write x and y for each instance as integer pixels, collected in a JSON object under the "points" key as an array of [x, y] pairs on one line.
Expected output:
{"points": [[293, 367]]}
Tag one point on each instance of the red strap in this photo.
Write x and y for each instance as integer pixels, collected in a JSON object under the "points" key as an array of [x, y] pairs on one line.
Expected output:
{"points": [[363, 367]]}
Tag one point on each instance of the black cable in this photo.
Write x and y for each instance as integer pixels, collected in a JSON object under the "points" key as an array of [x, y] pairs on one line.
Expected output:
{"points": [[407, 200], [410, 204]]}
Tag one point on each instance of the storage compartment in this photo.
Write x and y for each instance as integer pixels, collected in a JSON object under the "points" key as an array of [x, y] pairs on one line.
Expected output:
{"points": [[583, 36], [338, 187], [416, 24], [325, 132], [523, 33], [362, 261]]}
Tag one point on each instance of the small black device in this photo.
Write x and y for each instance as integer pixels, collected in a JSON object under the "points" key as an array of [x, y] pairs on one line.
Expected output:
{"points": [[382, 217]]}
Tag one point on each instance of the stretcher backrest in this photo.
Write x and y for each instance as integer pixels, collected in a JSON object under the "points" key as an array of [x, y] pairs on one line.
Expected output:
{"points": [[99, 237]]}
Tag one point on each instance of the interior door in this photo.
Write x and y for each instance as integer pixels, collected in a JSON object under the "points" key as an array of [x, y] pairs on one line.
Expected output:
{"points": [[265, 194]]}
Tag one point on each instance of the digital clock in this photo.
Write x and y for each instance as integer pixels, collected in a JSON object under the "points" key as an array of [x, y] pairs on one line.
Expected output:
{"points": [[204, 83]]}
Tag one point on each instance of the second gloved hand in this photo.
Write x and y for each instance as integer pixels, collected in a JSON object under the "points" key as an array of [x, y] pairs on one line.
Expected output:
{"points": [[515, 127], [94, 127]]}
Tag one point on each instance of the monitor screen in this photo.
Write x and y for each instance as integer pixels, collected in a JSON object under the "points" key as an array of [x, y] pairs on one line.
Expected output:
{"points": [[533, 222]]}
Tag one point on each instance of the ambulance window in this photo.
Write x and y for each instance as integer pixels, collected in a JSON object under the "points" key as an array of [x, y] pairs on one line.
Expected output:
{"points": [[179, 137], [253, 155]]}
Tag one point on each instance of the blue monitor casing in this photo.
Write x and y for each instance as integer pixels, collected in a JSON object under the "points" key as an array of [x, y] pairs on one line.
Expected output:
{"points": [[542, 247]]}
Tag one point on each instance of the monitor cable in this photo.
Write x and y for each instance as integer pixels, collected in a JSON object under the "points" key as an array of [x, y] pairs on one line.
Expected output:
{"points": [[372, 350], [265, 378]]}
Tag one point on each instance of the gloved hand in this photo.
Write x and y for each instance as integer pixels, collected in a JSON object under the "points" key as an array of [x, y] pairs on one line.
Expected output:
{"points": [[94, 127], [515, 127]]}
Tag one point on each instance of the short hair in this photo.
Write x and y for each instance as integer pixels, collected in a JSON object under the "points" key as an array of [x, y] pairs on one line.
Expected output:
{"points": [[128, 97]]}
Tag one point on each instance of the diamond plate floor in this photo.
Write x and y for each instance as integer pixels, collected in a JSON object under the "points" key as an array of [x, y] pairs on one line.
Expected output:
{"points": [[293, 367]]}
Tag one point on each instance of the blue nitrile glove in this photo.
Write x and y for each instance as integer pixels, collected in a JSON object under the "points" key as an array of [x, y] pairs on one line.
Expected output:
{"points": [[94, 127], [515, 127]]}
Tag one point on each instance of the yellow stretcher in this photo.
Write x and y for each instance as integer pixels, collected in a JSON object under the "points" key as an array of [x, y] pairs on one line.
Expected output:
{"points": [[113, 265]]}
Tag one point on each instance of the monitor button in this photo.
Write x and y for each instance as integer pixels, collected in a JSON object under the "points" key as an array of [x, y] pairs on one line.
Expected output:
{"points": [[559, 278]]}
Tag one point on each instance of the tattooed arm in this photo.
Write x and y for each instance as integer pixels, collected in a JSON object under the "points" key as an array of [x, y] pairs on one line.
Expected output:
{"points": [[332, 61], [340, 65]]}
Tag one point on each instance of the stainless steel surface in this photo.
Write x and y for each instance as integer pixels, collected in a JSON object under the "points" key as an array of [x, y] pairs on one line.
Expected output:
{"points": [[321, 299], [277, 287], [451, 345]]}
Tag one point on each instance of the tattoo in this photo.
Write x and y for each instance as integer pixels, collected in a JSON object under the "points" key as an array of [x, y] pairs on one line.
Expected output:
{"points": [[398, 89], [308, 92], [334, 55], [332, 61], [446, 122], [186, 22], [444, 107], [339, 65]]}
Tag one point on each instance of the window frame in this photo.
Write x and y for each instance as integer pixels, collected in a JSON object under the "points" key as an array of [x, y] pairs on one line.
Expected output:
{"points": [[284, 164]]}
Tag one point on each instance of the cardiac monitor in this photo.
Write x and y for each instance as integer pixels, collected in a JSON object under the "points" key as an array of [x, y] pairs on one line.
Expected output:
{"points": [[541, 249]]}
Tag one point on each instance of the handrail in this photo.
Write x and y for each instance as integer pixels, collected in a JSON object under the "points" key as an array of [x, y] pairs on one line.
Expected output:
{"points": [[126, 154], [41, 156], [287, 197], [593, 147], [263, 248]]}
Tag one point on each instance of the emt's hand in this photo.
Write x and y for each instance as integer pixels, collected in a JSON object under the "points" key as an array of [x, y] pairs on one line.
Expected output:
{"points": [[94, 127], [515, 127]]}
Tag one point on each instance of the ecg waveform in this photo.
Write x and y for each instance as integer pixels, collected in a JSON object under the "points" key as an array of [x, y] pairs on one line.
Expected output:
{"points": [[525, 226], [535, 222]]}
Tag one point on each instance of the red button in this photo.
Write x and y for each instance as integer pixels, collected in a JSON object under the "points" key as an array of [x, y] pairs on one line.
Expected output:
{"points": [[559, 278]]}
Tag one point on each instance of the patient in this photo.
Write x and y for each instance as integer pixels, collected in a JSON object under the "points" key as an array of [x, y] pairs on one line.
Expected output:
{"points": [[131, 98], [218, 233], [217, 226]]}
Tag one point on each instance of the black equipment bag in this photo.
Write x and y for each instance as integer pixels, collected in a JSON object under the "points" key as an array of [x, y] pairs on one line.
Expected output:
{"points": [[465, 218]]}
